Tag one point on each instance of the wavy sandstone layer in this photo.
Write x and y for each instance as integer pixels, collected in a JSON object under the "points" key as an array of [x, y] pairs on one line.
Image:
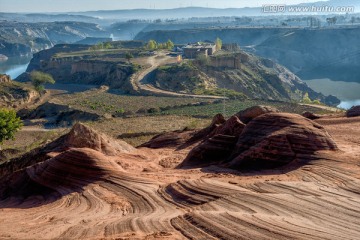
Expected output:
{"points": [[83, 194]]}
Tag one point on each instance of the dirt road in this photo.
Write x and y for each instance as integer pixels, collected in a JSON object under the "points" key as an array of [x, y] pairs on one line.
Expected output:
{"points": [[141, 80]]}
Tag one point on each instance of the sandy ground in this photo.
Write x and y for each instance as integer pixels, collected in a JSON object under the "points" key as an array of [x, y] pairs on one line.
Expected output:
{"points": [[141, 196]]}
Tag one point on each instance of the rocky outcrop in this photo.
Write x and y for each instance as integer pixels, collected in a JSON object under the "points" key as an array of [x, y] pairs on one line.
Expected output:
{"points": [[250, 113], [13, 94], [169, 140], [269, 140], [67, 172], [212, 151], [233, 127], [184, 138], [70, 168], [216, 122], [4, 78], [310, 115], [218, 144], [353, 111], [276, 139], [82, 136]]}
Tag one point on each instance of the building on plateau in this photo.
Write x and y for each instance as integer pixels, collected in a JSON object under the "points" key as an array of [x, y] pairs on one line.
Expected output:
{"points": [[193, 50]]}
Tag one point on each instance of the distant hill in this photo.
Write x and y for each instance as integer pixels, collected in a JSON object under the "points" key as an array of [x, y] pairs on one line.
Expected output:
{"points": [[46, 17], [93, 40], [310, 53], [110, 16], [19, 39], [187, 12], [199, 12]]}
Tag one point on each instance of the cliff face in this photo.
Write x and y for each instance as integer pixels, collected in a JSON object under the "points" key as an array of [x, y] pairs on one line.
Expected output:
{"points": [[79, 69], [13, 94], [229, 61], [321, 53], [96, 72], [4, 78], [19, 39], [45, 55]]}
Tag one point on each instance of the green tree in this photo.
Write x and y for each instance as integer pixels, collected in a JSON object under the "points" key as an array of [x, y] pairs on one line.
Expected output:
{"points": [[108, 45], [203, 60], [316, 101], [100, 45], [9, 124], [169, 44], [306, 99], [128, 56], [38, 80], [152, 45], [218, 43], [160, 46]]}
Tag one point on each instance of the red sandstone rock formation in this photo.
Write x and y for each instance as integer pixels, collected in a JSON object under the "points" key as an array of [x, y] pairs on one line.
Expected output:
{"points": [[217, 145], [310, 115], [353, 112], [269, 140], [232, 127], [250, 113], [82, 136], [275, 139], [184, 138]]}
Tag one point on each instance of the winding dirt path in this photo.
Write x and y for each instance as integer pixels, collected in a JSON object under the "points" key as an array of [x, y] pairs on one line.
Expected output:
{"points": [[140, 81]]}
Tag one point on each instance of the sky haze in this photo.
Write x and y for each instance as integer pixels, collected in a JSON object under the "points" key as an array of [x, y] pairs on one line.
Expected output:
{"points": [[90, 5]]}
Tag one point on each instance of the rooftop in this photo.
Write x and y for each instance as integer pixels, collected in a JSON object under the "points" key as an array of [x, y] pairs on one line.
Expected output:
{"points": [[200, 45]]}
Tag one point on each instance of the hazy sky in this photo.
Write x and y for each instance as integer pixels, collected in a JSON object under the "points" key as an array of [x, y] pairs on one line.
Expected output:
{"points": [[86, 5]]}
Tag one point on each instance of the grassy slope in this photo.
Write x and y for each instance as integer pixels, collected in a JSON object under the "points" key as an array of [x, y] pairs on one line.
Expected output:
{"points": [[253, 79]]}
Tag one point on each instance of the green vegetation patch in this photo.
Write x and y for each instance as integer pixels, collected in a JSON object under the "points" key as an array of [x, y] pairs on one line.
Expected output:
{"points": [[229, 93], [104, 102], [175, 68], [234, 106]]}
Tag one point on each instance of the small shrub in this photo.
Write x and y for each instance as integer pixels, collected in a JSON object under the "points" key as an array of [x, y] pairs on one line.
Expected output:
{"points": [[9, 124], [38, 80], [153, 110]]}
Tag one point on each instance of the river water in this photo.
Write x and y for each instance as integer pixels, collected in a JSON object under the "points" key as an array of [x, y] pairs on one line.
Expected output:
{"points": [[347, 92], [14, 66]]}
